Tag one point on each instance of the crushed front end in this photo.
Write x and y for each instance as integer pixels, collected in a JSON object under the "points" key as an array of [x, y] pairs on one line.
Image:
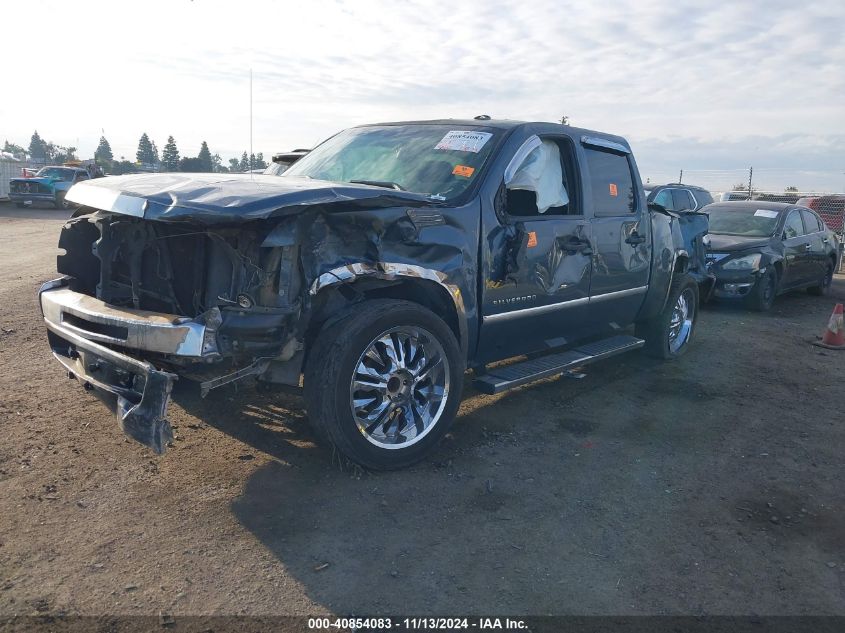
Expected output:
{"points": [[142, 302]]}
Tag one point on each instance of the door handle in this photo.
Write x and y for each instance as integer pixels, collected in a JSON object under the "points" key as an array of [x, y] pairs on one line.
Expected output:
{"points": [[635, 238], [807, 247], [574, 245]]}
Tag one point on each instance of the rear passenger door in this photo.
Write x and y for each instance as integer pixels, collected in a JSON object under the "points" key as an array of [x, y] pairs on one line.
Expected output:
{"points": [[621, 235]]}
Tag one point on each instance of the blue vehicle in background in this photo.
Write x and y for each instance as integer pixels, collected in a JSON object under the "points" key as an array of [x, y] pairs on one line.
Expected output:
{"points": [[50, 184]]}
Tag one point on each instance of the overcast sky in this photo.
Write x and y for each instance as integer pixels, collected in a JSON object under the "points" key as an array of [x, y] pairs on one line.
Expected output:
{"points": [[701, 86]]}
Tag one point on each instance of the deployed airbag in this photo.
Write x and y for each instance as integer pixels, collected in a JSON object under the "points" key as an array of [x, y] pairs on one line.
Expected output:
{"points": [[541, 172]]}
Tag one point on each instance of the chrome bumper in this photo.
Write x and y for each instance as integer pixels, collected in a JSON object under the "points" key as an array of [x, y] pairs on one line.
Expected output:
{"points": [[94, 320], [138, 393]]}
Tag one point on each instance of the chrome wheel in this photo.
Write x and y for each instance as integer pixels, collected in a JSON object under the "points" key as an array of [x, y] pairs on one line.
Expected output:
{"points": [[399, 387], [680, 324]]}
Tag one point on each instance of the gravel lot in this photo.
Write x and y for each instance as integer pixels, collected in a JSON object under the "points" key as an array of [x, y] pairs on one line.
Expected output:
{"points": [[712, 485]]}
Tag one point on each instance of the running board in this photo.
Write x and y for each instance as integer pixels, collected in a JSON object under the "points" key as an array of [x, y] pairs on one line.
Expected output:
{"points": [[501, 379]]}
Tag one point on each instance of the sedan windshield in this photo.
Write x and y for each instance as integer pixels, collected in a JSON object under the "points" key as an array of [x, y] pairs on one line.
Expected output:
{"points": [[275, 169], [746, 221], [439, 161], [58, 173]]}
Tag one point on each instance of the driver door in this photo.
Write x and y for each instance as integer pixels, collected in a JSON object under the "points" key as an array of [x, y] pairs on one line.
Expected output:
{"points": [[536, 288]]}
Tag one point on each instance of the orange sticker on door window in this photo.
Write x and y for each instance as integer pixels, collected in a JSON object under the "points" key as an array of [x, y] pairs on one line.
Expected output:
{"points": [[463, 170], [532, 239], [613, 191]]}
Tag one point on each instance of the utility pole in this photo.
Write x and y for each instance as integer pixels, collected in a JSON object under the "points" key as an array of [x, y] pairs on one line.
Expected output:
{"points": [[250, 123], [750, 174], [681, 177]]}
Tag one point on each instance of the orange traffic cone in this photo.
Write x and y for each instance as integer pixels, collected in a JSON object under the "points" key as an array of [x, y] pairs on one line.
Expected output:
{"points": [[834, 336]]}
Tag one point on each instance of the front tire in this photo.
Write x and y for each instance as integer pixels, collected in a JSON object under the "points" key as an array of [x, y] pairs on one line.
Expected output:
{"points": [[668, 335], [762, 295], [60, 202], [383, 382], [823, 288]]}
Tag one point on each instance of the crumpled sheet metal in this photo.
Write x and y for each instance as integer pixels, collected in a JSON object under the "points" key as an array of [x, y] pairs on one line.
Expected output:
{"points": [[693, 227], [208, 199]]}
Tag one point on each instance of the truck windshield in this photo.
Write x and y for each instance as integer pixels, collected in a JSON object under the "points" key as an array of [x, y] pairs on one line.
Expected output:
{"points": [[746, 221], [58, 173], [439, 161]]}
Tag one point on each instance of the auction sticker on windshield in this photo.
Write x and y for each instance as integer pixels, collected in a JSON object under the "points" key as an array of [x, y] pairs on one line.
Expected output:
{"points": [[765, 213], [464, 141]]}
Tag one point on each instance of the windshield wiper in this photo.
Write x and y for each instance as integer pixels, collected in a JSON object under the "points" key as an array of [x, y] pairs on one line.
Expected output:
{"points": [[387, 184]]}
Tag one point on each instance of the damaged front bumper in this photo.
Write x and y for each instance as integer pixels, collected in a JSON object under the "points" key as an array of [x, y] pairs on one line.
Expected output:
{"points": [[736, 284], [31, 197], [80, 330]]}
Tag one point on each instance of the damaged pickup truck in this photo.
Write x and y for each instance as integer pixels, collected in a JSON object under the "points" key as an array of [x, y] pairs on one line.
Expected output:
{"points": [[373, 273]]}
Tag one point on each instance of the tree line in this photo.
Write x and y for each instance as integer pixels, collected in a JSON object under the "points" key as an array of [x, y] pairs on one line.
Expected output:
{"points": [[147, 157]]}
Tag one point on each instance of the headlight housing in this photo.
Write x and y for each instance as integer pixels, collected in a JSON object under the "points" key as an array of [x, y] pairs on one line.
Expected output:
{"points": [[747, 262]]}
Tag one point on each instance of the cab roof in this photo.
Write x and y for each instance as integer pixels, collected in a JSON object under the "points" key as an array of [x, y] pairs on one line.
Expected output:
{"points": [[537, 127]]}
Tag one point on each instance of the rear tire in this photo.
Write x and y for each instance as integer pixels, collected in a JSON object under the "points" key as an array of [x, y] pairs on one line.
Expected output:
{"points": [[823, 289], [383, 382], [668, 335], [762, 295]]}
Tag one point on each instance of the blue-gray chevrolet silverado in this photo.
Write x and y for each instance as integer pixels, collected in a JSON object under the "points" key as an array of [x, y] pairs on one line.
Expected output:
{"points": [[373, 273]]}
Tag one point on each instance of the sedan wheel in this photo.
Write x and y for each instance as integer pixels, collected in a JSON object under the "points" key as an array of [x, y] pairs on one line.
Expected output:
{"points": [[826, 283], [763, 294]]}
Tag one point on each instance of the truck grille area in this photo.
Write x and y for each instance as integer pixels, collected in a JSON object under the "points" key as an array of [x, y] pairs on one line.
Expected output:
{"points": [[130, 263], [141, 271], [151, 267], [28, 187]]}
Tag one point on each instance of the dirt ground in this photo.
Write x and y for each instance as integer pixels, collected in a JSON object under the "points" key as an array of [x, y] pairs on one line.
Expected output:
{"points": [[713, 485]]}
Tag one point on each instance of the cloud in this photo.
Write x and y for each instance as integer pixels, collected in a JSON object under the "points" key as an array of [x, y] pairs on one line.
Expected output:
{"points": [[780, 161], [651, 70]]}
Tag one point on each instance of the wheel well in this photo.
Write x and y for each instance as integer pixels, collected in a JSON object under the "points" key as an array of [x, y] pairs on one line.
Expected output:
{"points": [[422, 291], [681, 265]]}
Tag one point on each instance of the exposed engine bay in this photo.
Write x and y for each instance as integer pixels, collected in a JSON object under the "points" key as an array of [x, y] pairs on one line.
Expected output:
{"points": [[195, 272]]}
